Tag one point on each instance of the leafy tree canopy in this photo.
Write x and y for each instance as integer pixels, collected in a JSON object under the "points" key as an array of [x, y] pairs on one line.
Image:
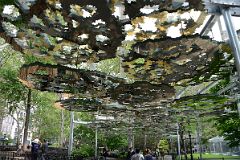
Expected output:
{"points": [[229, 124], [116, 141]]}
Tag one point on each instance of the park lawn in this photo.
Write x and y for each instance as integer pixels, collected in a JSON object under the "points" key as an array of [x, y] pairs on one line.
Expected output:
{"points": [[209, 155]]}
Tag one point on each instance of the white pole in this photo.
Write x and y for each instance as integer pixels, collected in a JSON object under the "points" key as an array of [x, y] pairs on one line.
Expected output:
{"points": [[199, 137], [178, 139], [145, 141], [96, 141], [70, 146]]}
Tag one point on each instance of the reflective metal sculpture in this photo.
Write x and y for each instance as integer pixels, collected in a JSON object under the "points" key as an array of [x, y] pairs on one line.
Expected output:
{"points": [[71, 32], [202, 104], [91, 84], [62, 79], [174, 60]]}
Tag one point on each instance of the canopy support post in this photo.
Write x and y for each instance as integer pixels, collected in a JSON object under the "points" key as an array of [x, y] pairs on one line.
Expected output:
{"points": [[178, 139], [70, 146], [96, 142], [233, 38]]}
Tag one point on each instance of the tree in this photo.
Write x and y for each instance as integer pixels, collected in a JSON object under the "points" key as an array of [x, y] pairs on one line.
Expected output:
{"points": [[27, 118], [13, 92], [83, 135], [209, 129], [116, 141], [47, 126], [229, 124], [163, 147]]}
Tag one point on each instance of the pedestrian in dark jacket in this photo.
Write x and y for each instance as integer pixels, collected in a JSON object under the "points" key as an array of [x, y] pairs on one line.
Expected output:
{"points": [[35, 148], [148, 155]]}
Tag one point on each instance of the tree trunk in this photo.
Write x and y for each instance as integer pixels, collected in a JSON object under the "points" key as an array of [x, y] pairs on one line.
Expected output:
{"points": [[27, 119]]}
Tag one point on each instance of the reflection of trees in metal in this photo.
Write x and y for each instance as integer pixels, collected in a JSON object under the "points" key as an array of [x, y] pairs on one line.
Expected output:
{"points": [[62, 79], [140, 92], [171, 60], [74, 31], [71, 32], [91, 84], [205, 104]]}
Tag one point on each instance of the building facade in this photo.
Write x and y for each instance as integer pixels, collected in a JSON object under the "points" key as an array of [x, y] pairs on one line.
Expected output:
{"points": [[12, 125]]}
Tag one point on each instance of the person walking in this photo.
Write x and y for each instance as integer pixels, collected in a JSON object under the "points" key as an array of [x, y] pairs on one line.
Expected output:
{"points": [[130, 153], [137, 155], [44, 149], [105, 153], [148, 155], [35, 149]]}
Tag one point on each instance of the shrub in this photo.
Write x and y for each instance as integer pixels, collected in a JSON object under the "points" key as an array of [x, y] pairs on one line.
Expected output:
{"points": [[84, 151]]}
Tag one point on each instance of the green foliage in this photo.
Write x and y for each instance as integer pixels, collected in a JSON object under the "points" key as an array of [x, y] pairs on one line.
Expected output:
{"points": [[123, 155], [223, 83], [139, 61], [163, 146], [84, 151], [229, 124], [19, 23], [12, 91], [47, 125], [83, 135], [201, 102], [31, 59], [85, 116], [109, 66], [209, 130], [116, 141], [214, 156]]}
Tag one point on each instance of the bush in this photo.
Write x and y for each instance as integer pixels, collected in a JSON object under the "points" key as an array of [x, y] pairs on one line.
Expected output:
{"points": [[123, 155], [83, 152]]}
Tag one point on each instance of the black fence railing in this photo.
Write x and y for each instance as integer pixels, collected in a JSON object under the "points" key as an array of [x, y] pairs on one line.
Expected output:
{"points": [[8, 148], [13, 155]]}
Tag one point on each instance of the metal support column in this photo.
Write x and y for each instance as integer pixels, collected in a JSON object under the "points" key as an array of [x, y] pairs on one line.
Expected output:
{"points": [[145, 141], [178, 140], [130, 137], [210, 23], [199, 137], [233, 38], [190, 144], [96, 142], [238, 105], [62, 129], [221, 148], [220, 29], [133, 141], [190, 140], [70, 146]]}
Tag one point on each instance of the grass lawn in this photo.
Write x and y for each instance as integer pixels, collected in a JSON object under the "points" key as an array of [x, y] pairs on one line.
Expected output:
{"points": [[209, 155]]}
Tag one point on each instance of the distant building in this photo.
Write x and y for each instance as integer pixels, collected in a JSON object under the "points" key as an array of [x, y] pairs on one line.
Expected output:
{"points": [[219, 145], [9, 125]]}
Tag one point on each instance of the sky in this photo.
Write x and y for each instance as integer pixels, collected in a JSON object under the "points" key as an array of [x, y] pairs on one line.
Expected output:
{"points": [[216, 35]]}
